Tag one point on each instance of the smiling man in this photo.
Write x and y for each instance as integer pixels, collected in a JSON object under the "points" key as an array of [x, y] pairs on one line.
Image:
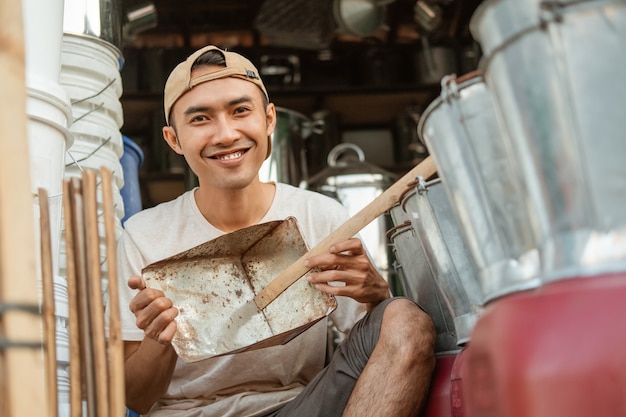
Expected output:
{"points": [[220, 119]]}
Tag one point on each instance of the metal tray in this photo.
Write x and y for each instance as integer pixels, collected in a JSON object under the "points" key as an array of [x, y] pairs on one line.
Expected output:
{"points": [[213, 285]]}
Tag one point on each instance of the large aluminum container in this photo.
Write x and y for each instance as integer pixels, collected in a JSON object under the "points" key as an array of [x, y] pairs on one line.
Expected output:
{"points": [[556, 72], [484, 184]]}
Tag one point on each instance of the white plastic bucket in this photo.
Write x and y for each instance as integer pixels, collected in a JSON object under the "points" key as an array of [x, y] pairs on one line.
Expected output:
{"points": [[90, 73], [83, 154], [97, 129], [89, 55], [48, 113], [61, 312], [88, 99], [101, 249], [62, 339], [61, 308], [43, 30], [47, 100]]}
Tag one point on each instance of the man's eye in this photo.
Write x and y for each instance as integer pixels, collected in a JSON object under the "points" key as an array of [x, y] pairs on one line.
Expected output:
{"points": [[241, 109], [198, 119]]}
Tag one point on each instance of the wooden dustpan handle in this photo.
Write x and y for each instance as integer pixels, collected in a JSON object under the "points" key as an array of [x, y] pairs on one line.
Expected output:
{"points": [[347, 230]]}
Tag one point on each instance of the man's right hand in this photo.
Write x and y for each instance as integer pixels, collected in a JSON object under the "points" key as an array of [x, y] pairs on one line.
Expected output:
{"points": [[154, 312]]}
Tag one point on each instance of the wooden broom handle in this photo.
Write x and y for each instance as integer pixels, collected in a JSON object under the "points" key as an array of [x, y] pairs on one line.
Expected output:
{"points": [[116, 345], [347, 230], [47, 287]]}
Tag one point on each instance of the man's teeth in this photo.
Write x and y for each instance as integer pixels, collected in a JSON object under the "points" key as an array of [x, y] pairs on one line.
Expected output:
{"points": [[233, 155]]}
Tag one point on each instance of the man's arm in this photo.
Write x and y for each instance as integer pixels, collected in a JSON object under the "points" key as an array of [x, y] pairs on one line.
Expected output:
{"points": [[149, 364], [148, 368]]}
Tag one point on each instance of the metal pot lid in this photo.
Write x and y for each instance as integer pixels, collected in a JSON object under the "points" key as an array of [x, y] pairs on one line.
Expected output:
{"points": [[350, 167]]}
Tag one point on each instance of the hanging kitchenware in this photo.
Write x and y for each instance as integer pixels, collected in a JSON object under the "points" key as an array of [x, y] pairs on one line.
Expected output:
{"points": [[324, 138], [408, 148], [360, 17]]}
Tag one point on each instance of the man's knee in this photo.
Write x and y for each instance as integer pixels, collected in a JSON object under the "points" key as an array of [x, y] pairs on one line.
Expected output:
{"points": [[407, 325]]}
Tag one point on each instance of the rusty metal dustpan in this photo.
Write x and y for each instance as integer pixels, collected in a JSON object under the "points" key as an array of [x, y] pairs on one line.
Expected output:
{"points": [[243, 291], [213, 285]]}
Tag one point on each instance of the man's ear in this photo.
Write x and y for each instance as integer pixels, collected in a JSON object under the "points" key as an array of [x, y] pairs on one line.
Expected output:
{"points": [[169, 134], [270, 114]]}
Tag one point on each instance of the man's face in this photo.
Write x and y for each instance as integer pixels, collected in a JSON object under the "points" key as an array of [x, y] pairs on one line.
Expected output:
{"points": [[222, 129]]}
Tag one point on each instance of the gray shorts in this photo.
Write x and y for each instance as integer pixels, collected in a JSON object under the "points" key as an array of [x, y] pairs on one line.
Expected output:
{"points": [[328, 394]]}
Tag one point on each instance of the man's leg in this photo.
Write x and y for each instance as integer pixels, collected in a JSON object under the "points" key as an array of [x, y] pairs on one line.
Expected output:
{"points": [[364, 371], [397, 376]]}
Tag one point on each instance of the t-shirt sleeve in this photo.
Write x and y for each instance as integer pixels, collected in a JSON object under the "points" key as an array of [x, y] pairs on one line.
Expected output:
{"points": [[128, 264]]}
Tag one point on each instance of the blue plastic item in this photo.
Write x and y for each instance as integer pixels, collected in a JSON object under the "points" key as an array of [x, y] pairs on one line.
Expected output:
{"points": [[131, 161]]}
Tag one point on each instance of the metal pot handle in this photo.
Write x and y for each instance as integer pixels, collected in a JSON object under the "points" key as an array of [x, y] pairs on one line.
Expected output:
{"points": [[308, 127], [335, 152]]}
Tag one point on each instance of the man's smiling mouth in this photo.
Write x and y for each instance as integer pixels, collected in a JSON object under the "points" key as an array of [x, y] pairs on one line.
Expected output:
{"points": [[234, 155]]}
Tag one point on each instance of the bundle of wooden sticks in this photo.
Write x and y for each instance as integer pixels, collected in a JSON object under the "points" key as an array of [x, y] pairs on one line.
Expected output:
{"points": [[96, 375]]}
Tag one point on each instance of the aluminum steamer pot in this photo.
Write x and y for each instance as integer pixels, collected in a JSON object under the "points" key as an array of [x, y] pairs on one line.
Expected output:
{"points": [[354, 183]]}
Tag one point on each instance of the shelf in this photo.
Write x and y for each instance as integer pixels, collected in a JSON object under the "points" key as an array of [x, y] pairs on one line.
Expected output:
{"points": [[374, 107]]}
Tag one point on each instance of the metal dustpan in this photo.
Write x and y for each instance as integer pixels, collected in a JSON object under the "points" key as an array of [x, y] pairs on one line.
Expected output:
{"points": [[213, 285]]}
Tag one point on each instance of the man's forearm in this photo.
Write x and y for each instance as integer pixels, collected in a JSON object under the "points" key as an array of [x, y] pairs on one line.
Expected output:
{"points": [[148, 369]]}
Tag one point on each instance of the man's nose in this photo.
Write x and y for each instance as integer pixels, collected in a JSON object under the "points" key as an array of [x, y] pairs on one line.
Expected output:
{"points": [[227, 132]]}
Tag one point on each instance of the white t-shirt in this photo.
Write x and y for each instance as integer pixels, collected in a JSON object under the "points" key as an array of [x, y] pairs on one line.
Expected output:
{"points": [[244, 384]]}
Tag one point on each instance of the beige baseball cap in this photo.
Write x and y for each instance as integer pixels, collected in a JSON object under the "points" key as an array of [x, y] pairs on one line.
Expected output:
{"points": [[180, 81]]}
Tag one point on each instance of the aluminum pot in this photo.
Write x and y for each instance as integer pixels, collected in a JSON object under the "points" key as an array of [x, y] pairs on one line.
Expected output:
{"points": [[563, 110]]}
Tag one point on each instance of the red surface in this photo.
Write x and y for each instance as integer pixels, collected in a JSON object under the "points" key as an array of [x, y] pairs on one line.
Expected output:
{"points": [[559, 351], [438, 404], [457, 402]]}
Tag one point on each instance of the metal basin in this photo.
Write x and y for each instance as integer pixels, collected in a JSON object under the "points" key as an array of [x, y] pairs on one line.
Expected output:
{"points": [[213, 285], [555, 69], [452, 267], [484, 182], [417, 279]]}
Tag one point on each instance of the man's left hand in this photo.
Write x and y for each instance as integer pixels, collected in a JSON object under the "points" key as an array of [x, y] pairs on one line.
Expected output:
{"points": [[346, 270]]}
